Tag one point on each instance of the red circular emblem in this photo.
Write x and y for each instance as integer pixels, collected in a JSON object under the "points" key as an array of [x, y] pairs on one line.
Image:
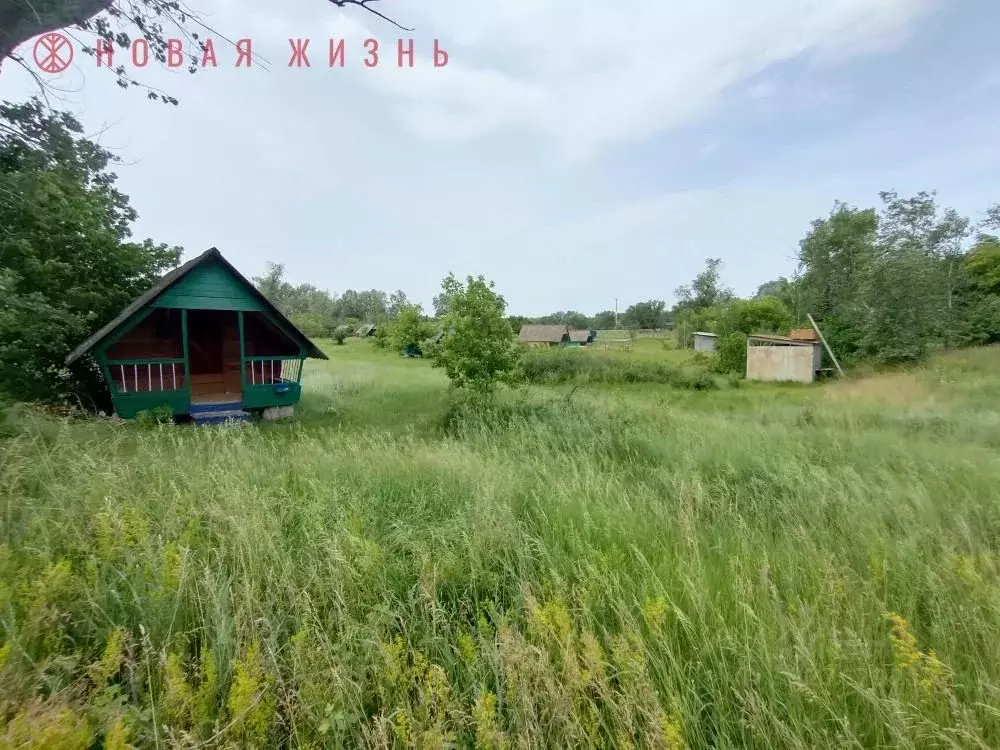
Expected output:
{"points": [[53, 52]]}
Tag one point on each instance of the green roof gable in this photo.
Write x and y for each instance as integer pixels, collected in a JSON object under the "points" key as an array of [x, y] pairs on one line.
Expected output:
{"points": [[207, 282], [211, 287]]}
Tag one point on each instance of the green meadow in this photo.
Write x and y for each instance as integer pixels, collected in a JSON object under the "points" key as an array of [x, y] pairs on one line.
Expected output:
{"points": [[588, 564]]}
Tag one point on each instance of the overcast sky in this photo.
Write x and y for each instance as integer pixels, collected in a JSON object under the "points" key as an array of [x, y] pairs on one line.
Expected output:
{"points": [[574, 151]]}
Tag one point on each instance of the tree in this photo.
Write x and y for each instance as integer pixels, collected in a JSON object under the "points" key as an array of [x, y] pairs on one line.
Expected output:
{"points": [[605, 320], [992, 220], [705, 290], [911, 296], [409, 331], [479, 353], [835, 262], [749, 316], [646, 315], [273, 285], [570, 318], [440, 304], [397, 303], [983, 266], [116, 22], [517, 322], [69, 264]]}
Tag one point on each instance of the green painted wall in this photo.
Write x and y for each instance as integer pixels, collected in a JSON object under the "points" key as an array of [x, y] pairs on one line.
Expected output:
{"points": [[261, 396], [209, 287], [127, 405]]}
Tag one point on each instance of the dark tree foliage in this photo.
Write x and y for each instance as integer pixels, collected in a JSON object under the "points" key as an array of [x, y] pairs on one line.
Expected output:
{"points": [[67, 260]]}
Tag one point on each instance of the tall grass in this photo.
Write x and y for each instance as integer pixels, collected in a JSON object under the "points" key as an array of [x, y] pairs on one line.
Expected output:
{"points": [[575, 365], [809, 568]]}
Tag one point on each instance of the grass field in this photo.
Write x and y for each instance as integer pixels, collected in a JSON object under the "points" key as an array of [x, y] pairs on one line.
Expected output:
{"points": [[610, 566]]}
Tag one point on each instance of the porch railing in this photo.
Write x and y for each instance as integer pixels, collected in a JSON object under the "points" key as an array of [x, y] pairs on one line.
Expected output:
{"points": [[271, 370], [147, 375]]}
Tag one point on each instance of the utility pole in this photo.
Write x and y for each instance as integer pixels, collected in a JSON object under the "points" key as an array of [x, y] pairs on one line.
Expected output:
{"points": [[616, 313]]}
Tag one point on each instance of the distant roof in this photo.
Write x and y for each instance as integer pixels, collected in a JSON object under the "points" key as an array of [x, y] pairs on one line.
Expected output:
{"points": [[365, 329], [552, 334], [579, 335], [705, 333], [168, 280]]}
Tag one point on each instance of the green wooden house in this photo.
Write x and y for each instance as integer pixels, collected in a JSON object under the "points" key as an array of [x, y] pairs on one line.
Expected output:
{"points": [[205, 342]]}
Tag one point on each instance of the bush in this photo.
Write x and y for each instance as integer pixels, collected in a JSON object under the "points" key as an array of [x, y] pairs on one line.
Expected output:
{"points": [[152, 417], [382, 338], [340, 335], [731, 355]]}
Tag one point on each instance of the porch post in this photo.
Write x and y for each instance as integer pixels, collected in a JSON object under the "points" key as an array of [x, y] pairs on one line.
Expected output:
{"points": [[184, 345], [243, 364]]}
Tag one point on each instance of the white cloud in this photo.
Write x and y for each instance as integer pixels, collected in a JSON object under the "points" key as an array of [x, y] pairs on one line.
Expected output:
{"points": [[588, 73], [390, 178]]}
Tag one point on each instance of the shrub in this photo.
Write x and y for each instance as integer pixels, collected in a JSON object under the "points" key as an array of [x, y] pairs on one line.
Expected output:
{"points": [[151, 417], [731, 354], [563, 366], [340, 335]]}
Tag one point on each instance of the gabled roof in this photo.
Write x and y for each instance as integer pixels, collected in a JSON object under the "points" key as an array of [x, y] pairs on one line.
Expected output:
{"points": [[579, 335], [551, 334], [168, 280]]}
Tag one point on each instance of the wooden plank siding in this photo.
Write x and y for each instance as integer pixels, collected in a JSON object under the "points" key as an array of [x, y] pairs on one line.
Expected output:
{"points": [[157, 336], [209, 287]]}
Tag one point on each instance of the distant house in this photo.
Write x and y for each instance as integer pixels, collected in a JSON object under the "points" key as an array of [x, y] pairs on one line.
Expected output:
{"points": [[368, 329], [704, 342], [581, 336], [544, 335]]}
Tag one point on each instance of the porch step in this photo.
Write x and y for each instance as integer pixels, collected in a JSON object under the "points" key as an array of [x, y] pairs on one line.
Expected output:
{"points": [[215, 407], [220, 417], [219, 413]]}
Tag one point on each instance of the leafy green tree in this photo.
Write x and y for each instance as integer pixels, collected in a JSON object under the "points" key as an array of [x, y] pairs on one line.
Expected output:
{"points": [[440, 304], [517, 322], [835, 263], [911, 295], [645, 315], [409, 330], [748, 316], [397, 303], [570, 318], [789, 291], [983, 266], [706, 289], [605, 320], [69, 263], [479, 353]]}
